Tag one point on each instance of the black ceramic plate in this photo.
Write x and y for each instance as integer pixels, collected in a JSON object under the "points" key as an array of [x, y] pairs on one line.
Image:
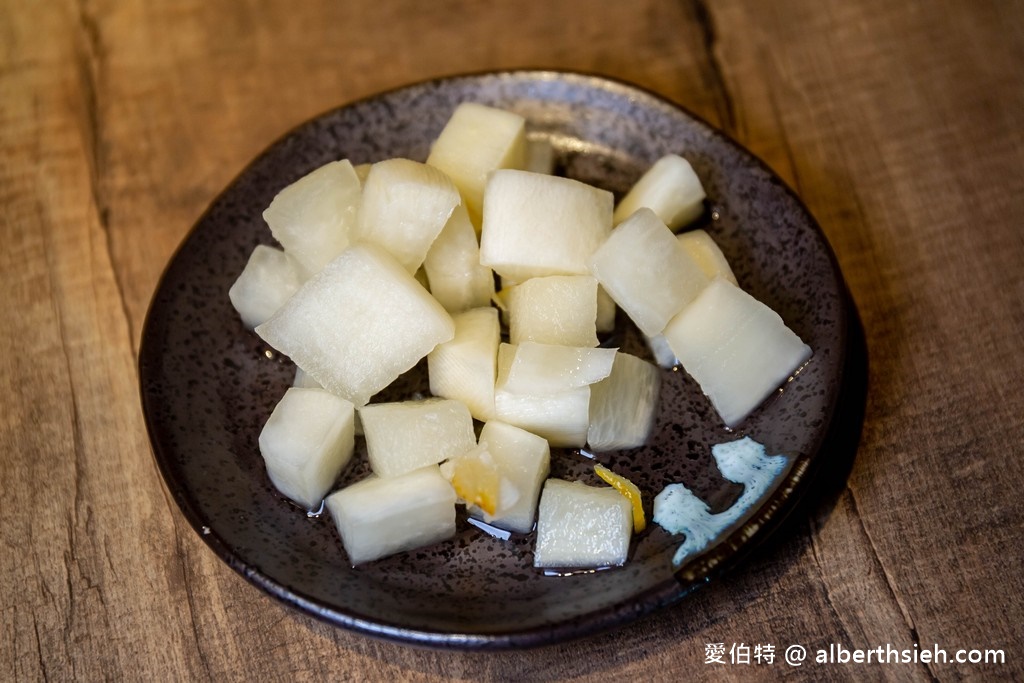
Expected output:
{"points": [[208, 385]]}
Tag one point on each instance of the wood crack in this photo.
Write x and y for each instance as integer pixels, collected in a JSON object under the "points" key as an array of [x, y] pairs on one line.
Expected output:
{"points": [[190, 599], [889, 582], [716, 74], [39, 652], [92, 64], [828, 593], [69, 623], [77, 443], [186, 587]]}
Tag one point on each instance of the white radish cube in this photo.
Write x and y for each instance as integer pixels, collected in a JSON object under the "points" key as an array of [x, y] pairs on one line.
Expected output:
{"points": [[306, 442], [457, 280], [582, 526], [506, 354], [358, 324], [540, 156], [477, 140], [465, 368], [379, 517], [737, 349], [670, 188], [647, 272], [407, 435], [623, 405], [304, 381], [313, 217], [536, 225], [561, 418], [524, 459], [558, 309], [606, 310], [269, 279], [548, 368], [702, 248], [405, 206]]}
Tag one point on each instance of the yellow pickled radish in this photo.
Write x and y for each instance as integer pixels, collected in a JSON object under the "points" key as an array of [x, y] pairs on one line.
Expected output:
{"points": [[629, 490]]}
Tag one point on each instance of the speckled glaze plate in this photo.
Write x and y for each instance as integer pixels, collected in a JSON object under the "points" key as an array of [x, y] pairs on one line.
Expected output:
{"points": [[208, 385]]}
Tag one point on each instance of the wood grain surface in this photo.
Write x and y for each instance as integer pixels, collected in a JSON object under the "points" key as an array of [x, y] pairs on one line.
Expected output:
{"points": [[899, 123]]}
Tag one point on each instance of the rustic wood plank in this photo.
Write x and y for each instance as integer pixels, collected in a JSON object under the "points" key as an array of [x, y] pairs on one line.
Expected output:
{"points": [[84, 521]]}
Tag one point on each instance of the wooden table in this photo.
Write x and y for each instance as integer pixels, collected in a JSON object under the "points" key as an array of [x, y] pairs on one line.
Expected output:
{"points": [[899, 123]]}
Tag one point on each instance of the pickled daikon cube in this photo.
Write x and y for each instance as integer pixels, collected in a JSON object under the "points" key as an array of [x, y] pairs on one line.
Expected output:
{"points": [[269, 279], [476, 140], [306, 443], [379, 517], [456, 278], [313, 217], [524, 460], [358, 324], [670, 188], [407, 435], [536, 225], [624, 404], [465, 368], [647, 272], [737, 349], [405, 206], [582, 526], [558, 309]]}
